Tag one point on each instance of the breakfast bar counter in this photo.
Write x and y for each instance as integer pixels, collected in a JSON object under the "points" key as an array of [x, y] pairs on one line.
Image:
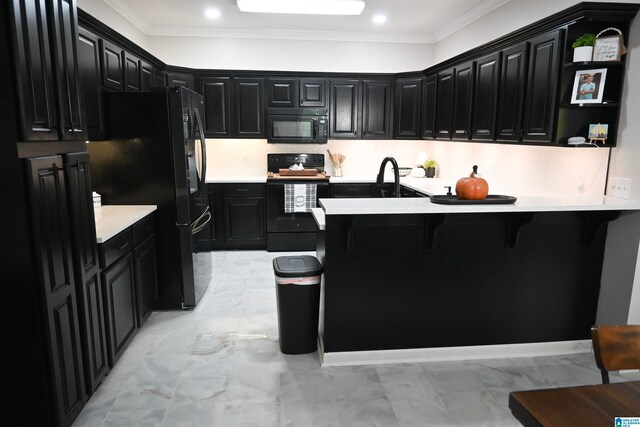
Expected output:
{"points": [[407, 279]]}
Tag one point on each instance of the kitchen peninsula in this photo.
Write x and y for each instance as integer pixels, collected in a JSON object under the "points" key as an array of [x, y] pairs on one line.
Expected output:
{"points": [[408, 279]]}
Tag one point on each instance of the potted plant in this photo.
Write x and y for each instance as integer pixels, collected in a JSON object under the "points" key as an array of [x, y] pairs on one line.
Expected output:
{"points": [[583, 47], [430, 168]]}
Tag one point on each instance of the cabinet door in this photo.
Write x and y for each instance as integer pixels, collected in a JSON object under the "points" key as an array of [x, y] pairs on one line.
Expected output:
{"points": [[87, 270], [146, 76], [444, 104], [542, 80], [282, 92], [217, 102], [462, 97], [345, 96], [159, 78], [112, 66], [429, 107], [313, 92], [376, 109], [120, 303], [131, 73], [177, 79], [70, 102], [248, 107], [485, 97], [146, 269], [510, 99], [91, 82], [244, 219], [407, 108], [38, 110], [54, 267]]}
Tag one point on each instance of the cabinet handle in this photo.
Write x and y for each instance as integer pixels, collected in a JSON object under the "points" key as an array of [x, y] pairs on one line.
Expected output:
{"points": [[122, 246]]}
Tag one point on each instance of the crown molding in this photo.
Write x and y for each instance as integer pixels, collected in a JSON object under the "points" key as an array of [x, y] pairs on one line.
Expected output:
{"points": [[467, 18], [130, 15]]}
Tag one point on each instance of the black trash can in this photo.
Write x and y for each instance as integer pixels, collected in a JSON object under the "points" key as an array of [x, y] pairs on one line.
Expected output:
{"points": [[298, 295]]}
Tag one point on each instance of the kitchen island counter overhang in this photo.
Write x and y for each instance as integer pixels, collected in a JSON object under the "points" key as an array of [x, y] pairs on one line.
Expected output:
{"points": [[407, 279]]}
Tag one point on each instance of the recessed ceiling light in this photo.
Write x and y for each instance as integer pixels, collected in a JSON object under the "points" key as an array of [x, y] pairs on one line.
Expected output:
{"points": [[212, 13], [379, 19], [309, 7]]}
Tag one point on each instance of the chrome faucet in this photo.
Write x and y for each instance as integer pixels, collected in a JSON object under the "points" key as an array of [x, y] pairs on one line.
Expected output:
{"points": [[396, 175]]}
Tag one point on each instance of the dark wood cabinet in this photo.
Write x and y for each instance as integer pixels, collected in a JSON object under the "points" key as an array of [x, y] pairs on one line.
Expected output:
{"points": [[131, 73], [159, 79], [343, 112], [120, 305], [44, 44], [217, 101], [112, 66], [87, 269], [177, 79], [462, 97], [244, 221], [511, 96], [542, 82], [360, 108], [352, 190], [146, 76], [65, 64], [407, 107], [376, 108], [54, 268], [428, 119], [146, 276], [485, 99], [91, 82], [282, 92], [313, 92], [444, 103], [248, 107]]}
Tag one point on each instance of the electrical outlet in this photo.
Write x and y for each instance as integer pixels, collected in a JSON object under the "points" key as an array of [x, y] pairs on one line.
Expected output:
{"points": [[620, 187], [244, 159]]}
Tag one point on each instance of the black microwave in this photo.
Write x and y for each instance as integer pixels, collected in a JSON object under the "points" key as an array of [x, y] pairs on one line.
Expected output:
{"points": [[297, 125]]}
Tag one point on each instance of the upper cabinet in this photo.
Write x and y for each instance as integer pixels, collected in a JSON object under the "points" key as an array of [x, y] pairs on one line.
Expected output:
{"points": [[296, 92], [248, 107], [112, 66], [511, 94], [217, 100], [91, 82], [444, 103], [132, 82], [51, 105], [485, 97], [360, 108], [462, 96], [178, 78], [407, 107]]}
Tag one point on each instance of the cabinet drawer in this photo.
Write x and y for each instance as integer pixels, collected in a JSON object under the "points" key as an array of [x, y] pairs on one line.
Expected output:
{"points": [[241, 190], [351, 190], [114, 248], [143, 228]]}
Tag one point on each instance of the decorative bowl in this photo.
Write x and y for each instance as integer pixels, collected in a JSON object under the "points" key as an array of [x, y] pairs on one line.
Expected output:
{"points": [[404, 171]]}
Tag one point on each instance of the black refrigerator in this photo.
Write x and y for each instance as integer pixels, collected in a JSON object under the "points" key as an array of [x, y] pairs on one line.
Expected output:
{"points": [[155, 153]]}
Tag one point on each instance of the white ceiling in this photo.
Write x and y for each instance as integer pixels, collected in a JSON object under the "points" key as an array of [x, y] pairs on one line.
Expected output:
{"points": [[408, 21]]}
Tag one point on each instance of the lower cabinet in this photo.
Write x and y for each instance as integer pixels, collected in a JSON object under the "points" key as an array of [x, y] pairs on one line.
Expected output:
{"points": [[239, 217], [130, 283]]}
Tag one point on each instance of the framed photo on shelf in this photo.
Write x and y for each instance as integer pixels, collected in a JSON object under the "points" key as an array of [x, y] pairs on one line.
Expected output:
{"points": [[588, 86]]}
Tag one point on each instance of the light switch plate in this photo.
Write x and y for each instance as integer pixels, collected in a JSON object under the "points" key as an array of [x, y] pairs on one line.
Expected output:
{"points": [[619, 187]]}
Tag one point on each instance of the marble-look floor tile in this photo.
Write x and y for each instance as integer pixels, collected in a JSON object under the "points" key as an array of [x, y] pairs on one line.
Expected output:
{"points": [[220, 364]]}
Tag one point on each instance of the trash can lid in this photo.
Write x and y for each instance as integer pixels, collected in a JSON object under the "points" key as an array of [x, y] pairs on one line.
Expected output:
{"points": [[297, 266]]}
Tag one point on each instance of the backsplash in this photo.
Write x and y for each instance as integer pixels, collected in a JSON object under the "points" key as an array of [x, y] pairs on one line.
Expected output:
{"points": [[509, 169]]}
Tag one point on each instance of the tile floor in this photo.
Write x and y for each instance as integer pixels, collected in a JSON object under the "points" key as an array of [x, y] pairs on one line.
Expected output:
{"points": [[220, 365]]}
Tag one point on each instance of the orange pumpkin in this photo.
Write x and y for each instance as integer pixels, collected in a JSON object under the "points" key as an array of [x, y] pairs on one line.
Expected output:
{"points": [[472, 187]]}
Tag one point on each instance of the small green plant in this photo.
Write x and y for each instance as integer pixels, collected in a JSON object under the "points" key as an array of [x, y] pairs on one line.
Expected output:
{"points": [[430, 164], [586, 39]]}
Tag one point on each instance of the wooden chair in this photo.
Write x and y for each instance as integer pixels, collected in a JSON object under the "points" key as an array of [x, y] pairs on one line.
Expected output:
{"points": [[616, 348]]}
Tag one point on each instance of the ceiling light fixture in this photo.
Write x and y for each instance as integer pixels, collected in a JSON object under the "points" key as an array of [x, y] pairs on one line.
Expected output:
{"points": [[307, 7], [212, 13], [379, 19]]}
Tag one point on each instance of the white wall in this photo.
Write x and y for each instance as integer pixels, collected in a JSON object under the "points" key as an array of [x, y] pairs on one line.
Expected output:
{"points": [[291, 55], [107, 15]]}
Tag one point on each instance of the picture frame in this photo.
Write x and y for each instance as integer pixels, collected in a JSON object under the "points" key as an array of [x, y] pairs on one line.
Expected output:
{"points": [[588, 86], [608, 48], [598, 131]]}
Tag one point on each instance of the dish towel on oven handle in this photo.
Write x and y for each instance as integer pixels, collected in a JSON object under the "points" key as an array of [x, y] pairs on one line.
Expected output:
{"points": [[299, 197]]}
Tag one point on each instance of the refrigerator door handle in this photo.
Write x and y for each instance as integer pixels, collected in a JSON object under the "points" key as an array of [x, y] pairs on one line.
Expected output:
{"points": [[203, 149], [202, 221]]}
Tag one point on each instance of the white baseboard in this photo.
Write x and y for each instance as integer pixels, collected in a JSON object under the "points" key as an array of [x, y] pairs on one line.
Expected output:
{"points": [[413, 355]]}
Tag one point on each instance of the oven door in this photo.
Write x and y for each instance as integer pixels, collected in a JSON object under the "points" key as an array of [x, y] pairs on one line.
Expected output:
{"points": [[280, 222], [292, 129]]}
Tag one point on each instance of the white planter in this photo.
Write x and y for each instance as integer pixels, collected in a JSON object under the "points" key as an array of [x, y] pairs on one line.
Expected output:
{"points": [[582, 53]]}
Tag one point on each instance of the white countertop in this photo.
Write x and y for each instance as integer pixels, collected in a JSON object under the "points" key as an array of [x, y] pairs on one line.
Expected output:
{"points": [[112, 219], [318, 215], [424, 205], [240, 179]]}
